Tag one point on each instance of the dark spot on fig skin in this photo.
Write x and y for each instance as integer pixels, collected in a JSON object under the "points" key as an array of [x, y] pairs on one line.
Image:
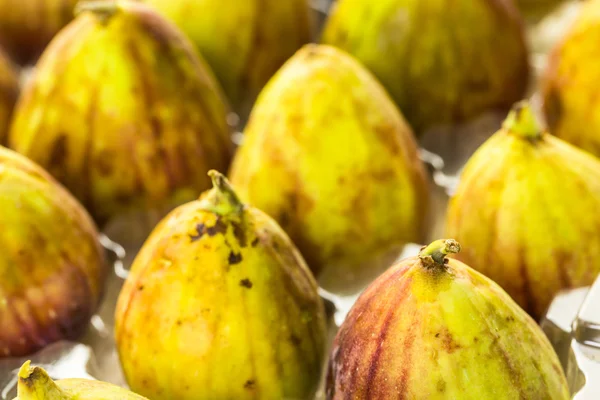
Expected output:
{"points": [[219, 227], [246, 283], [249, 384], [178, 323], [296, 341], [199, 233], [441, 386], [141, 287], [240, 234], [254, 242], [234, 258]]}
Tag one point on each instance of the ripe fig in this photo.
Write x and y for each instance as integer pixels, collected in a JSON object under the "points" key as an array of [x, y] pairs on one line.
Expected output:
{"points": [[245, 42], [527, 204], [433, 328], [27, 26], [237, 308], [443, 62], [9, 91], [35, 384], [329, 156], [123, 112], [569, 85], [52, 266]]}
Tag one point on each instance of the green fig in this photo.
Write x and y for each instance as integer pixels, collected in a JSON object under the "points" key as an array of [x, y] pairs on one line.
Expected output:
{"points": [[569, 84], [35, 384], [27, 26], [526, 204], [432, 328], [329, 156], [52, 265], [245, 42], [9, 91], [236, 309], [123, 112], [443, 61]]}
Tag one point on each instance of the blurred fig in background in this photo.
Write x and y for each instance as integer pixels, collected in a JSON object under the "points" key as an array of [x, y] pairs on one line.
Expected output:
{"points": [[431, 327], [571, 85], [52, 266], [329, 156], [35, 384], [526, 209], [220, 305], [124, 112], [245, 42], [535, 10], [27, 26], [9, 91], [444, 62]]}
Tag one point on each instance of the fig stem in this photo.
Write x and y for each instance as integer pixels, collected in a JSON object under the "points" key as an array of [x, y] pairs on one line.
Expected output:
{"points": [[436, 252], [222, 199], [34, 384], [102, 8], [522, 122]]}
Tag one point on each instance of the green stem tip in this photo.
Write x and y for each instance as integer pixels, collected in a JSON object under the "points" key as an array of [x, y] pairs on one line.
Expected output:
{"points": [[436, 252], [221, 199], [522, 122], [104, 9]]}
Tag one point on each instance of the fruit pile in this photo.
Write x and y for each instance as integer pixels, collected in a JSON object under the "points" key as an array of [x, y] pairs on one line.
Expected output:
{"points": [[134, 105]]}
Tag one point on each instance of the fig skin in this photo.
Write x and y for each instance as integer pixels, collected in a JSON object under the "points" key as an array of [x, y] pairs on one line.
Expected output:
{"points": [[535, 10], [568, 87], [431, 328], [52, 265], [527, 206], [9, 91], [123, 112], [328, 155], [237, 308], [35, 384], [245, 45], [443, 61], [27, 26]]}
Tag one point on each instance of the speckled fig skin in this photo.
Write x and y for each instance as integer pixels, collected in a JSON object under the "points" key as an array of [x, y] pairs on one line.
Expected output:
{"points": [[245, 45], [27, 26], [527, 205], [433, 328], [443, 61], [327, 154], [220, 305], [35, 384], [52, 266], [123, 112], [570, 100], [9, 91]]}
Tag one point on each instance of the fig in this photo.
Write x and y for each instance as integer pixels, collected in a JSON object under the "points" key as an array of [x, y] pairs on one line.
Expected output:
{"points": [[535, 10], [9, 91], [52, 265], [27, 26], [237, 308], [35, 384], [567, 87], [444, 62], [526, 204], [124, 112], [245, 42], [329, 156], [431, 327]]}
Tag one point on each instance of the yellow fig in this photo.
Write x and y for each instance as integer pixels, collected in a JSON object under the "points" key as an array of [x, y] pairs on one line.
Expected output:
{"points": [[432, 328], [329, 156], [219, 304], [52, 265], [27, 26], [35, 384], [525, 208], [443, 61], [9, 90], [245, 42], [569, 85], [123, 112]]}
